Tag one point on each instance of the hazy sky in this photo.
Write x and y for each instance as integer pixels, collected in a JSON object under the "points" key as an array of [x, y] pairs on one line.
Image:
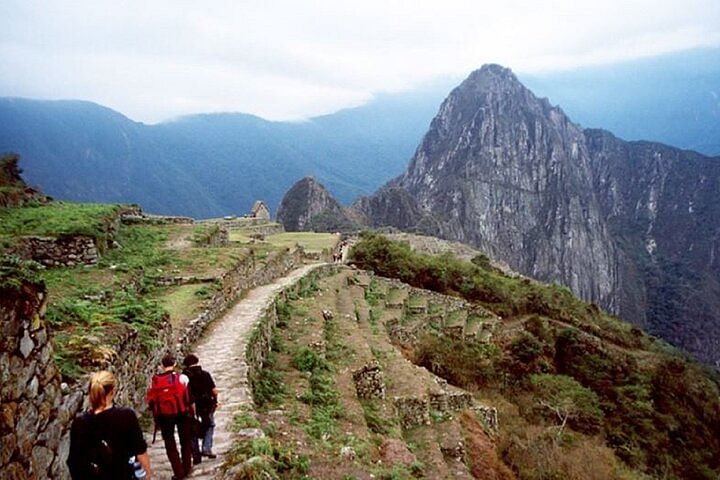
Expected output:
{"points": [[156, 59]]}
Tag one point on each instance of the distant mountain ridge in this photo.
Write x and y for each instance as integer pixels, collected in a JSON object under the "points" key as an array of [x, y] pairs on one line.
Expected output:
{"points": [[219, 164], [210, 164]]}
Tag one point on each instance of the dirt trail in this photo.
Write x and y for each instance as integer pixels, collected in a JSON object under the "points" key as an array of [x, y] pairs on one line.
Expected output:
{"points": [[221, 352]]}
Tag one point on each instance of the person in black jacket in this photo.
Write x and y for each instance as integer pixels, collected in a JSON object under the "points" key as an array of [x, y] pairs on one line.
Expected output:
{"points": [[204, 394], [103, 439]]}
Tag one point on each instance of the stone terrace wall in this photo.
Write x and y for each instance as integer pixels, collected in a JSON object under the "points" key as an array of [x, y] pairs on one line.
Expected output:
{"points": [[245, 276], [258, 346], [71, 250], [65, 251], [32, 410], [139, 218]]}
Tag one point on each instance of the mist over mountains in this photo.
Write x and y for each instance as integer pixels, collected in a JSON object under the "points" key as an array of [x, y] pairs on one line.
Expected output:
{"points": [[217, 164]]}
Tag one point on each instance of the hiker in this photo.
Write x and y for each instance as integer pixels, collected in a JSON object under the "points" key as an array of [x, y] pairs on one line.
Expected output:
{"points": [[169, 401], [105, 438], [204, 395]]}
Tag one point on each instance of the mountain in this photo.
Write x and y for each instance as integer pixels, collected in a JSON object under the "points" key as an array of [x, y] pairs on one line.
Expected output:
{"points": [[632, 226], [308, 206], [212, 164], [219, 164]]}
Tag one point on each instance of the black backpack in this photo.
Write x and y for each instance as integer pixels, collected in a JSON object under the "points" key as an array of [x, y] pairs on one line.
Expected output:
{"points": [[99, 459], [204, 399]]}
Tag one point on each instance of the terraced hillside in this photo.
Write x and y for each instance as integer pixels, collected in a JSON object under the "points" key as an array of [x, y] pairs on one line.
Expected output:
{"points": [[476, 375], [138, 274]]}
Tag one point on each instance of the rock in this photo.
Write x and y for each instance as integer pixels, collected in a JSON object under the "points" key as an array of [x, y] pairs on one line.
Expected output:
{"points": [[327, 315], [8, 442], [308, 206], [14, 471], [347, 453], [7, 416], [250, 433], [26, 344], [369, 381], [41, 458], [32, 388]]}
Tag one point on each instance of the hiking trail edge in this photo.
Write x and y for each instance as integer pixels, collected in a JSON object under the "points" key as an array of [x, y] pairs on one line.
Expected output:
{"points": [[222, 353]]}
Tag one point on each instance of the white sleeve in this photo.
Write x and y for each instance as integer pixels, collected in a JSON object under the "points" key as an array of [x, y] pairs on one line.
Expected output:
{"points": [[184, 379]]}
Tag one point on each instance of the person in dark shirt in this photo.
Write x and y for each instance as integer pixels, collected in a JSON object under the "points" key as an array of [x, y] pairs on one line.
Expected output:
{"points": [[103, 439], [204, 394]]}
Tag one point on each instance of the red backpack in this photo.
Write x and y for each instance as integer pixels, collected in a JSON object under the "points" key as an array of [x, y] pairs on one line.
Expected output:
{"points": [[168, 396]]}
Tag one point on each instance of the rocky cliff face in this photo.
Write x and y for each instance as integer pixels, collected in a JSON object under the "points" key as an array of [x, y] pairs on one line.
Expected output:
{"points": [[631, 226], [309, 206], [509, 173]]}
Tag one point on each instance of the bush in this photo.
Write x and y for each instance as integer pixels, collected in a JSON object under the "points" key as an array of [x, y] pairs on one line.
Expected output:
{"points": [[565, 401], [308, 360]]}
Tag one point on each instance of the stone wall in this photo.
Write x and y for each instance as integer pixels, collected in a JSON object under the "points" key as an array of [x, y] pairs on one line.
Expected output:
{"points": [[258, 347], [32, 410], [211, 236], [139, 218], [66, 251], [36, 409], [412, 411], [369, 381], [245, 276], [71, 250]]}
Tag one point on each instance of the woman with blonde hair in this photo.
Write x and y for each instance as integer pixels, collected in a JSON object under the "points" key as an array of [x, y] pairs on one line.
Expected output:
{"points": [[104, 439]]}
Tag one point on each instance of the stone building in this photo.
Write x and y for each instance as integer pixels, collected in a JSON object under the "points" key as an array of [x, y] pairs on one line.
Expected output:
{"points": [[260, 210]]}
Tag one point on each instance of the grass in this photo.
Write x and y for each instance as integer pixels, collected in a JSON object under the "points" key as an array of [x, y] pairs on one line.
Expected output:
{"points": [[57, 219], [311, 242], [417, 301], [395, 296], [185, 301]]}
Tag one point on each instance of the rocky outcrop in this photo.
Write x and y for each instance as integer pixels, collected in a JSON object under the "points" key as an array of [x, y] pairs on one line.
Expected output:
{"points": [[308, 206], [632, 226]]}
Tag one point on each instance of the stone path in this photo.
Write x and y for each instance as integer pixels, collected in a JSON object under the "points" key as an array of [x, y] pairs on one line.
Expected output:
{"points": [[221, 352]]}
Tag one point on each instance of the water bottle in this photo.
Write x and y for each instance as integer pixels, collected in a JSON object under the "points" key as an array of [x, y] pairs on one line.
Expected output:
{"points": [[137, 467]]}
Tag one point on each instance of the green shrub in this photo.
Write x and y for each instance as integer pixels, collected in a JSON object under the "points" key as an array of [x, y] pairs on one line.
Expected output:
{"points": [[308, 360], [567, 402], [267, 385]]}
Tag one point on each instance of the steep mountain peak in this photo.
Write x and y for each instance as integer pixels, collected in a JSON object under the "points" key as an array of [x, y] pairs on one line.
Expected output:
{"points": [[308, 205], [491, 74]]}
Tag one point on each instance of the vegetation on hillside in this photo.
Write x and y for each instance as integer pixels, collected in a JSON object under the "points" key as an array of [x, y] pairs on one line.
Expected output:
{"points": [[57, 219], [565, 365]]}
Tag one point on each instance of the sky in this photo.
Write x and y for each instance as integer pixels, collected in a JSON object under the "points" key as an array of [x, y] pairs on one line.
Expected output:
{"points": [[293, 59]]}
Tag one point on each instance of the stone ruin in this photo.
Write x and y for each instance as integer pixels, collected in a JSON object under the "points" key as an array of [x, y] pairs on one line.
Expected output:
{"points": [[445, 401], [489, 416], [369, 381], [412, 411]]}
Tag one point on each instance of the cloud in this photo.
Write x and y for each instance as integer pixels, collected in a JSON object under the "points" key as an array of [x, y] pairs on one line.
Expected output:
{"points": [[294, 59]]}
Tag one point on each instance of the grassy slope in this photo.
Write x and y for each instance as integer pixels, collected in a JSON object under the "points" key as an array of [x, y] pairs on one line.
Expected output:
{"points": [[659, 411]]}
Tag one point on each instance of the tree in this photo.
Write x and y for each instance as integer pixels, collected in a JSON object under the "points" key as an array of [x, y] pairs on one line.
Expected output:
{"points": [[568, 401]]}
